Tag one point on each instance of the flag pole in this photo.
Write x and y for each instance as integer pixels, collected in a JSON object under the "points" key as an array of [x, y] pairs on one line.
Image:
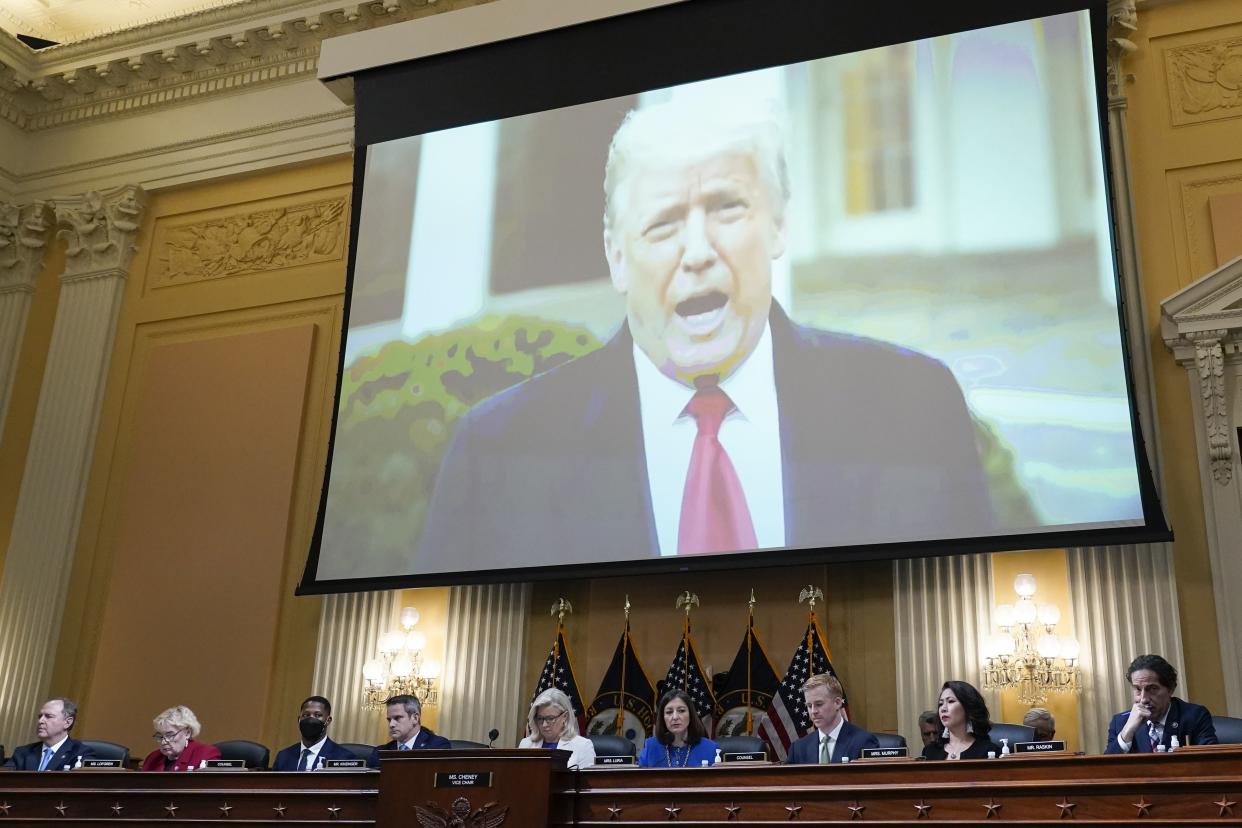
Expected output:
{"points": [[750, 640], [626, 647], [559, 609], [810, 593], [687, 599]]}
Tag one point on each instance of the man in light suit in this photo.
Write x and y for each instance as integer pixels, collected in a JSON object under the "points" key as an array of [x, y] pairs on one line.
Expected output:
{"points": [[405, 717], [711, 422], [56, 749], [1157, 715], [314, 717], [833, 738]]}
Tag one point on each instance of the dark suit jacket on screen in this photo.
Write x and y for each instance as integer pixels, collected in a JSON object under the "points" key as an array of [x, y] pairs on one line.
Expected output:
{"points": [[850, 742], [28, 757], [1190, 723], [876, 445], [287, 759], [425, 740]]}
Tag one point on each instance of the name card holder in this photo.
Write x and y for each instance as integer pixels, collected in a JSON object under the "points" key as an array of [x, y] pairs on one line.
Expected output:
{"points": [[614, 760], [885, 753], [482, 779], [343, 764], [1052, 746], [224, 764], [101, 764], [746, 756]]}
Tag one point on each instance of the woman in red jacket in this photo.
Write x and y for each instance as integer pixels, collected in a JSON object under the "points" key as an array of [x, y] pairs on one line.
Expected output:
{"points": [[175, 730]]}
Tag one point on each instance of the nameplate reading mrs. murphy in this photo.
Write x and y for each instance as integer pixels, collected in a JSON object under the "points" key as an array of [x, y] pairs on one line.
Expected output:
{"points": [[885, 753]]}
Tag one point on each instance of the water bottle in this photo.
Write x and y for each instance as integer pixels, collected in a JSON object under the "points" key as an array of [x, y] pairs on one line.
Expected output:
{"points": [[1174, 743], [703, 763]]}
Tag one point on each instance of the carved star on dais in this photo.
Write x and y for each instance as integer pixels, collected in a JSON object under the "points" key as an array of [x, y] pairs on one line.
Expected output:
{"points": [[614, 813], [733, 810], [117, 808], [1067, 808], [993, 806], [224, 809], [61, 808], [856, 810], [4, 809], [672, 811], [333, 812], [1225, 805], [924, 809], [1144, 807], [794, 811], [279, 809], [171, 808]]}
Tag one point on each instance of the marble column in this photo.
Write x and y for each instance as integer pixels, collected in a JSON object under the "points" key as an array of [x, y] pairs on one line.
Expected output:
{"points": [[482, 678], [24, 231], [99, 229], [349, 630]]}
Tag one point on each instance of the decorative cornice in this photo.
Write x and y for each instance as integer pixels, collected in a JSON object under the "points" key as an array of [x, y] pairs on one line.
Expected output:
{"points": [[24, 232], [267, 41], [99, 229]]}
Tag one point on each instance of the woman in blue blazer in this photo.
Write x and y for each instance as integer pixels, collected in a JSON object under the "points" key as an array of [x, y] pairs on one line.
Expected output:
{"points": [[680, 740]]}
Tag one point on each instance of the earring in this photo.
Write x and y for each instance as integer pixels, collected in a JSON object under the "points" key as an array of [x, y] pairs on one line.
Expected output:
{"points": [[970, 728], [945, 735]]}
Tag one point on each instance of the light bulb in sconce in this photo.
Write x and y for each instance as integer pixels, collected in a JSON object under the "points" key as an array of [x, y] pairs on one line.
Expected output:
{"points": [[374, 672], [1025, 612], [402, 667], [1049, 614], [409, 617], [430, 670], [1024, 585], [1070, 649], [1004, 615], [416, 642]]}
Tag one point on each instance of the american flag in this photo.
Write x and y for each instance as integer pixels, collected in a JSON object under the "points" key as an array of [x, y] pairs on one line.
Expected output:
{"points": [[686, 673], [787, 719], [558, 672]]}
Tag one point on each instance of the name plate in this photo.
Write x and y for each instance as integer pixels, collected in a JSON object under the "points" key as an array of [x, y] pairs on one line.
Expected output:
{"points": [[614, 760], [464, 780], [101, 764], [225, 764], [1054, 746], [344, 764], [746, 756], [885, 753]]}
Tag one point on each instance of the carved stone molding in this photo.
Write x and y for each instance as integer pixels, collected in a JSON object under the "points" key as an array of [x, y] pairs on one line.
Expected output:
{"points": [[1210, 360], [256, 241], [1205, 81], [24, 232], [99, 230], [1122, 24]]}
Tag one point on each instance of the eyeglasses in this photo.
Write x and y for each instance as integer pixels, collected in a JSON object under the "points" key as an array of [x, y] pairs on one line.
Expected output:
{"points": [[548, 719], [167, 738]]}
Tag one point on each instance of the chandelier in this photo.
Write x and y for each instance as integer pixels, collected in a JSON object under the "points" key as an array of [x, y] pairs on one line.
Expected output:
{"points": [[1027, 654], [400, 669]]}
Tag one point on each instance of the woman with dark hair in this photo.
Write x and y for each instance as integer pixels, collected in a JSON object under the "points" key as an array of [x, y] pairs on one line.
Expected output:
{"points": [[680, 740], [964, 715]]}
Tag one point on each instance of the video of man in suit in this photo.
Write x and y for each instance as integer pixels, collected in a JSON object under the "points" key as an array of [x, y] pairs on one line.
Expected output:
{"points": [[868, 299]]}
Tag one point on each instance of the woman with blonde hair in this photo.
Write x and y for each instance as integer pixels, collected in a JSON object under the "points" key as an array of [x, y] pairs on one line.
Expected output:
{"points": [[176, 749], [551, 724]]}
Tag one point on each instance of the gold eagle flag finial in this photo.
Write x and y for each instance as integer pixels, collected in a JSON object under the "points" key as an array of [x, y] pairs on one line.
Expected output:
{"points": [[560, 609], [812, 594]]}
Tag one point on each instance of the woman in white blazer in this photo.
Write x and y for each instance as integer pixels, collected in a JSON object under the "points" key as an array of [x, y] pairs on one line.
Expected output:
{"points": [[551, 724]]}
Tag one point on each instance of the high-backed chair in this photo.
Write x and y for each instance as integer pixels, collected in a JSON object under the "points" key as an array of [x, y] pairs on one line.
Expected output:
{"points": [[891, 740], [253, 754], [358, 749], [1013, 732], [1228, 729], [740, 744], [459, 744], [608, 744], [108, 750]]}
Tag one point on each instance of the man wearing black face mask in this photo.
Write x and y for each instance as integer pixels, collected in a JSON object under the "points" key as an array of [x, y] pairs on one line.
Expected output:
{"points": [[313, 721]]}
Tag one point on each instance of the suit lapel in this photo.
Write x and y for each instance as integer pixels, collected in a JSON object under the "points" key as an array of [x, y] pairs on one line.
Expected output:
{"points": [[61, 757]]}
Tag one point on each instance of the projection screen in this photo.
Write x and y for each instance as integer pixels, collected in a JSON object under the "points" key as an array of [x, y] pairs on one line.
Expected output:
{"points": [[855, 302]]}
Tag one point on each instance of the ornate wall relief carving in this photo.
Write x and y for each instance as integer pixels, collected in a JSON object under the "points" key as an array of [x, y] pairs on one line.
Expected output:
{"points": [[1210, 361], [1122, 24], [252, 242], [99, 230], [24, 231], [1205, 80]]}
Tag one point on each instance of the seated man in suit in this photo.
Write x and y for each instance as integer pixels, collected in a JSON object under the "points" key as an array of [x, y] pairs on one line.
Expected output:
{"points": [[1157, 715], [313, 719], [833, 738], [711, 422], [929, 727], [1043, 723], [55, 750], [405, 716]]}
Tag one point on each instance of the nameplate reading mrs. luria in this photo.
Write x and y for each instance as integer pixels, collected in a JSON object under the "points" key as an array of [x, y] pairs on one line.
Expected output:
{"points": [[1050, 746], [614, 760], [885, 753], [464, 780]]}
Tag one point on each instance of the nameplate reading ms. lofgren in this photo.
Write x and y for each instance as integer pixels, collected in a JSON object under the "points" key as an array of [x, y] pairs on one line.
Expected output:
{"points": [[464, 780]]}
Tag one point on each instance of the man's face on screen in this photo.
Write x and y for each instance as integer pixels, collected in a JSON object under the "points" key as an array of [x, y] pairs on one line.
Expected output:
{"points": [[691, 247]]}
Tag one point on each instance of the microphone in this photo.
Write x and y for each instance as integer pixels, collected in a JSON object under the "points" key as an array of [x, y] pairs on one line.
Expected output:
{"points": [[492, 735]]}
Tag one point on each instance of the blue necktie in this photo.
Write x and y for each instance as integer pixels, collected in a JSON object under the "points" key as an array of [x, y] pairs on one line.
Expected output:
{"points": [[306, 752], [403, 746], [47, 757]]}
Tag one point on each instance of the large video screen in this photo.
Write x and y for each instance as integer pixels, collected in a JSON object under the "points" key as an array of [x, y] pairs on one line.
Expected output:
{"points": [[857, 305]]}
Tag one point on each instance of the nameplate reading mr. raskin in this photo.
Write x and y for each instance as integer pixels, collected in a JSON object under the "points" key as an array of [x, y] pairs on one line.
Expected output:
{"points": [[885, 753], [464, 780], [1057, 746]]}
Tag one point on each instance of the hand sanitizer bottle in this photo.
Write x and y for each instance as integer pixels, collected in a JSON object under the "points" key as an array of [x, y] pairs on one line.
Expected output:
{"points": [[202, 764], [1004, 748], [78, 763], [1174, 743]]}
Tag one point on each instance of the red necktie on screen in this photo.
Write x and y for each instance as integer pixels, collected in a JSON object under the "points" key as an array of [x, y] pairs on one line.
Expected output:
{"points": [[714, 515]]}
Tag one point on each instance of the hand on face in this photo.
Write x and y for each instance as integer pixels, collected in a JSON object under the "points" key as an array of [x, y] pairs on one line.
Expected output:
{"points": [[691, 247]]}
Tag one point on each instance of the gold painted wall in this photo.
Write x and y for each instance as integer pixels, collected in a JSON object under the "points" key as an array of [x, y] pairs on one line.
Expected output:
{"points": [[208, 462], [1185, 134]]}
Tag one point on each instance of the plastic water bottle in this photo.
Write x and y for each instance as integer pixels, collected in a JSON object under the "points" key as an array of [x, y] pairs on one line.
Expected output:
{"points": [[1174, 743], [845, 760], [1162, 749], [703, 763], [1004, 748]]}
